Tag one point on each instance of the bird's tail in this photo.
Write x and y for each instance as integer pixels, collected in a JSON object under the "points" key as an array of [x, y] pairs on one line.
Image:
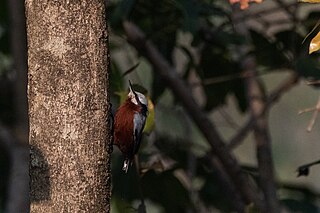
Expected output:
{"points": [[126, 165]]}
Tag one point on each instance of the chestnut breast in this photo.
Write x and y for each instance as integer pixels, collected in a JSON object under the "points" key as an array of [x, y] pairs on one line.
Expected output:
{"points": [[123, 134]]}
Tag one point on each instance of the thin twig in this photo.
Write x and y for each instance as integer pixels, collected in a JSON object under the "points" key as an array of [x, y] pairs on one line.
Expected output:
{"points": [[312, 82], [306, 110], [131, 69], [313, 119]]}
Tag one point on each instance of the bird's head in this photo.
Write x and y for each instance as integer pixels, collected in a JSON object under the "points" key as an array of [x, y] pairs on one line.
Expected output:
{"points": [[136, 97]]}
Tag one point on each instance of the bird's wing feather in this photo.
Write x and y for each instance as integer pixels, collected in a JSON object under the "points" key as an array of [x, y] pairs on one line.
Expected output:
{"points": [[139, 121]]}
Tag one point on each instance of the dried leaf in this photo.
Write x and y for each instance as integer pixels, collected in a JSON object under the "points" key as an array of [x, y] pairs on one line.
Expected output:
{"points": [[315, 43]]}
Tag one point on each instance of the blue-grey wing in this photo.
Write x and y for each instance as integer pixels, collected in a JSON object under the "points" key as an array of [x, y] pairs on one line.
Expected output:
{"points": [[139, 121]]}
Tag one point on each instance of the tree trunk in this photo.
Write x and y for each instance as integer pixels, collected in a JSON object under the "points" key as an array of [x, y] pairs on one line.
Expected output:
{"points": [[68, 106]]}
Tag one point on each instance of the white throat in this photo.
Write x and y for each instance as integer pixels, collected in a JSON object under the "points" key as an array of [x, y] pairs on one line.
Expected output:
{"points": [[141, 97]]}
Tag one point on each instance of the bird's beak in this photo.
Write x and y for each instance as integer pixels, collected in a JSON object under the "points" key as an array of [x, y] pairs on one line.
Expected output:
{"points": [[130, 87], [134, 93]]}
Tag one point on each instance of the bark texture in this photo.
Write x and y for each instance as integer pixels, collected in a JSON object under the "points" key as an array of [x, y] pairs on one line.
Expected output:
{"points": [[68, 106]]}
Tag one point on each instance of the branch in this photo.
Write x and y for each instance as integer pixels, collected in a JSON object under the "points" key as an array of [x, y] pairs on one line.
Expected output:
{"points": [[257, 104], [169, 76], [316, 111], [274, 96], [241, 134]]}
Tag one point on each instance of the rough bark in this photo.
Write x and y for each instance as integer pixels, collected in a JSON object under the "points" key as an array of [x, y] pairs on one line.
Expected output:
{"points": [[68, 106]]}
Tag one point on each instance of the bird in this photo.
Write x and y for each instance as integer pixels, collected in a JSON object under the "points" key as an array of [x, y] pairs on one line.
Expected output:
{"points": [[130, 119]]}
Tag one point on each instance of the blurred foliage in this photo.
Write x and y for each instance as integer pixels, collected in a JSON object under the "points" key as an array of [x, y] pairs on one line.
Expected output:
{"points": [[264, 48], [176, 176], [214, 63]]}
